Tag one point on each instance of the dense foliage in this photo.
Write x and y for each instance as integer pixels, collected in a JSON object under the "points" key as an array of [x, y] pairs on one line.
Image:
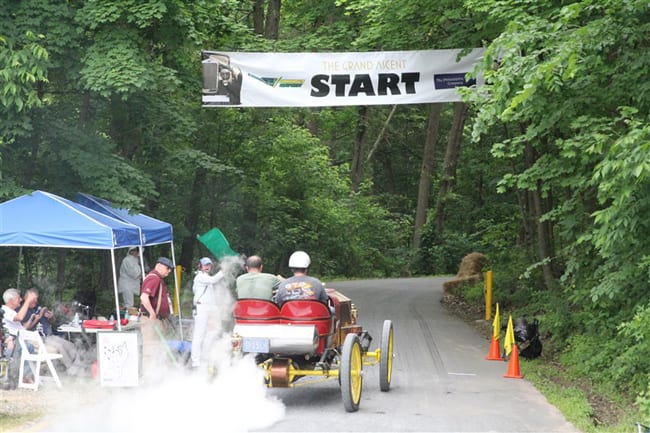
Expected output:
{"points": [[552, 180], [567, 85]]}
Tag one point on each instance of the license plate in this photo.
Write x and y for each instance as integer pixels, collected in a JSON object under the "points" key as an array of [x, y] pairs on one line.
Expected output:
{"points": [[255, 345]]}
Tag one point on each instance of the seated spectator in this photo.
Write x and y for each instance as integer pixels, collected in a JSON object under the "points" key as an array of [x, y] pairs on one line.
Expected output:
{"points": [[45, 323], [54, 343], [255, 283], [13, 315]]}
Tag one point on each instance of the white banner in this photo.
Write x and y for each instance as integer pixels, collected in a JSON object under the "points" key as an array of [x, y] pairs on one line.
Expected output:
{"points": [[331, 79]]}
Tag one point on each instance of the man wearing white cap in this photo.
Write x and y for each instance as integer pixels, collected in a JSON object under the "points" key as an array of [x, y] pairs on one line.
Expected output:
{"points": [[205, 306]]}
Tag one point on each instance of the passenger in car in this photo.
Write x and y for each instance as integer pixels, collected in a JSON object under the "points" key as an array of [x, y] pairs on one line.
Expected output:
{"points": [[256, 284], [301, 285]]}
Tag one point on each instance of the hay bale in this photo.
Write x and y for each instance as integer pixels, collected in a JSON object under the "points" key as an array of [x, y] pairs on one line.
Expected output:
{"points": [[470, 272], [471, 265], [451, 286]]}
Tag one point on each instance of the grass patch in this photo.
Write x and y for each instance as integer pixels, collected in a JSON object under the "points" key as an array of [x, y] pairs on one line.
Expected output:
{"points": [[589, 412], [17, 422], [590, 407]]}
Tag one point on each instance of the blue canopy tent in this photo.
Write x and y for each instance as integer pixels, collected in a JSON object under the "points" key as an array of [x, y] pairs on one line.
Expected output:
{"points": [[42, 219], [152, 231]]}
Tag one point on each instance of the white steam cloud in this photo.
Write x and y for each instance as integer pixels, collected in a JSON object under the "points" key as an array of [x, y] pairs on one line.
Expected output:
{"points": [[227, 395], [183, 401]]}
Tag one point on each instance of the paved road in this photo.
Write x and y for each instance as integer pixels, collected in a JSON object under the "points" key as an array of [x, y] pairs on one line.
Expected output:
{"points": [[441, 380], [441, 383]]}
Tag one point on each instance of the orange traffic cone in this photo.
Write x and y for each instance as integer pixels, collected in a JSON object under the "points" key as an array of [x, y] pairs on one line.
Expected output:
{"points": [[494, 355], [513, 364]]}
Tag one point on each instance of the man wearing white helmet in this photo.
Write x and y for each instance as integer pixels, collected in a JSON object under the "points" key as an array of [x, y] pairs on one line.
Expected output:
{"points": [[300, 286], [205, 306]]}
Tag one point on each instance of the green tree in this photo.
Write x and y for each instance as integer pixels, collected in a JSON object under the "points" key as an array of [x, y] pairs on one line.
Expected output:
{"points": [[565, 82]]}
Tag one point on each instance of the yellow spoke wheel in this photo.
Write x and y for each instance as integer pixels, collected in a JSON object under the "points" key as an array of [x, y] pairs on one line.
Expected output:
{"points": [[351, 373]]}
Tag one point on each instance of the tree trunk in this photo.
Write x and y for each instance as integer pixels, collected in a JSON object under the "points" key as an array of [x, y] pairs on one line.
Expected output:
{"points": [[356, 170], [248, 231], [448, 180], [532, 226], [526, 233], [544, 228], [389, 175], [258, 17], [428, 159], [273, 20], [380, 137], [192, 220], [544, 240]]}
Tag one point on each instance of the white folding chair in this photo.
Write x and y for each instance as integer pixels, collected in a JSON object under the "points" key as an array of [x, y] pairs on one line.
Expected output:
{"points": [[35, 359]]}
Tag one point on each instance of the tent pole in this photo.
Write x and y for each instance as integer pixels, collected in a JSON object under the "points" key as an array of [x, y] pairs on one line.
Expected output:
{"points": [[141, 254], [177, 289], [142, 271], [117, 296]]}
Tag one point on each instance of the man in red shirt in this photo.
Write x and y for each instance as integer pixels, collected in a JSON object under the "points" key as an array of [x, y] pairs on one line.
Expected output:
{"points": [[154, 305], [154, 298]]}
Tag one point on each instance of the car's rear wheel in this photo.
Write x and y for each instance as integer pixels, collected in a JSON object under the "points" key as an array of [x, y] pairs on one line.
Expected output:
{"points": [[351, 373], [386, 358]]}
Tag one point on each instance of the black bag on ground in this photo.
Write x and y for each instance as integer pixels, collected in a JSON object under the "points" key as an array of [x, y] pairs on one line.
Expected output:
{"points": [[527, 338]]}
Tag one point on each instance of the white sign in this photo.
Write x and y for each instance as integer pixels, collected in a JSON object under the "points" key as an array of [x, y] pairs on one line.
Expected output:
{"points": [[235, 79], [117, 353]]}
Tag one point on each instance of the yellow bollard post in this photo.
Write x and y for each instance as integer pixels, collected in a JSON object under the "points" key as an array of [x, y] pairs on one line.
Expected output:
{"points": [[488, 295], [177, 290]]}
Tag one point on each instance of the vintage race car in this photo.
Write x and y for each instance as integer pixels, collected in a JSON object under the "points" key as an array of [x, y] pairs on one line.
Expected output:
{"points": [[305, 339]]}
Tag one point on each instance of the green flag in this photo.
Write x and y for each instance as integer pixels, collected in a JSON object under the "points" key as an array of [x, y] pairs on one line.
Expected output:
{"points": [[216, 243]]}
